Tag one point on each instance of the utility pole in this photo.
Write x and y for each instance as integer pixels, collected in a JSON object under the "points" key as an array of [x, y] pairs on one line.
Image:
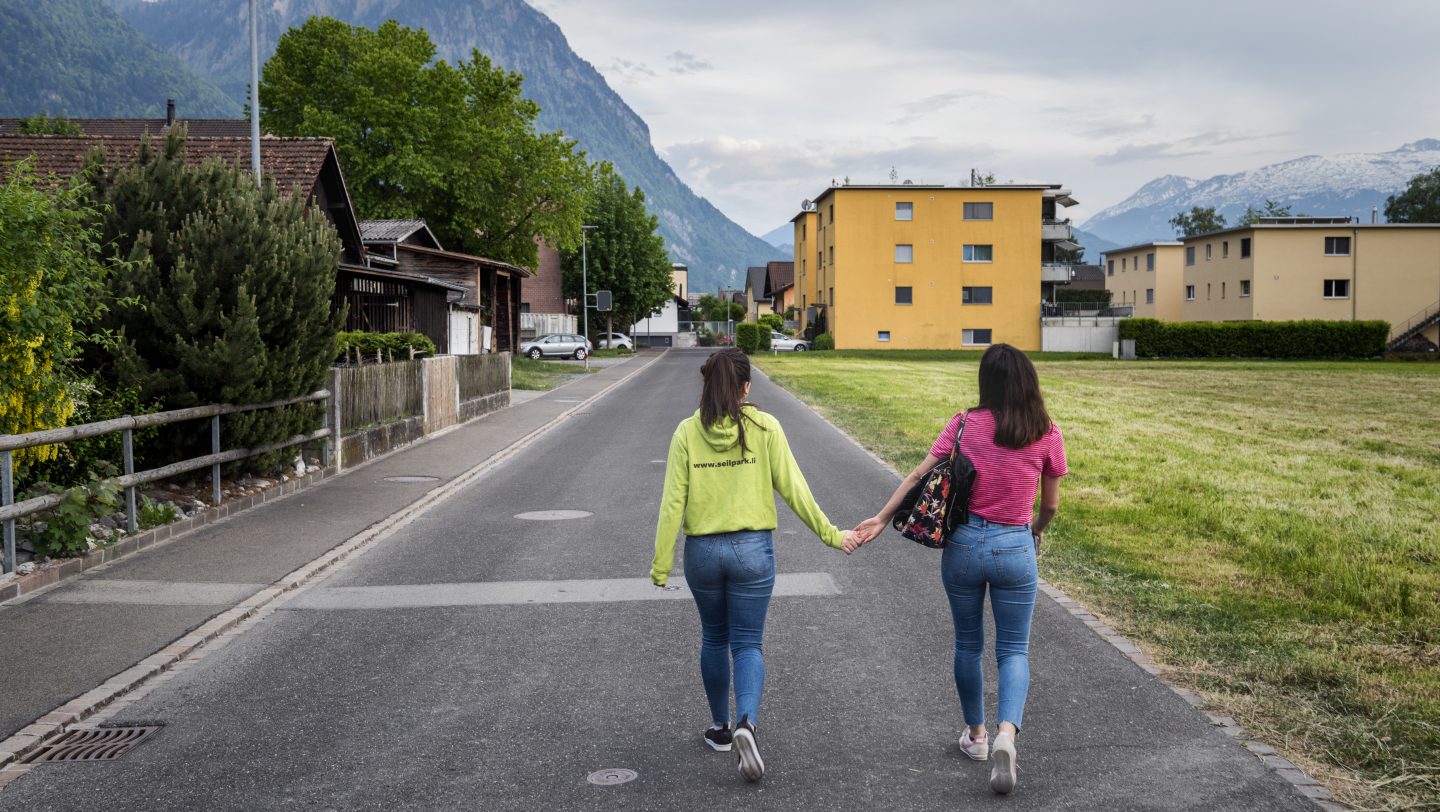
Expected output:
{"points": [[255, 93], [584, 284]]}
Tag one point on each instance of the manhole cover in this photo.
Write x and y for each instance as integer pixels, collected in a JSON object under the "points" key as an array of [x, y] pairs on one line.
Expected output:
{"points": [[553, 515], [408, 479], [612, 776], [103, 744]]}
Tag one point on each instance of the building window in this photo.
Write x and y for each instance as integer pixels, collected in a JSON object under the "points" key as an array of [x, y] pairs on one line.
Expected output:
{"points": [[1337, 288], [802, 231], [1208, 246], [1337, 246], [904, 253], [832, 255], [1244, 288], [904, 211], [975, 338], [976, 295], [979, 211], [1222, 290], [1189, 255], [1150, 262], [1149, 296], [1123, 262], [882, 335], [1189, 293], [979, 253], [1244, 247], [1224, 249], [903, 295], [1109, 267], [1207, 291], [832, 297], [832, 214], [524, 307]]}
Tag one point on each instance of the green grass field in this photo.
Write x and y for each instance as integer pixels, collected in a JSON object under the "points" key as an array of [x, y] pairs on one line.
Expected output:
{"points": [[541, 375], [1268, 531]]}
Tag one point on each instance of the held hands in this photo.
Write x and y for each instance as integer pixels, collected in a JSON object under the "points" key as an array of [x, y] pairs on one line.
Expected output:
{"points": [[863, 533]]}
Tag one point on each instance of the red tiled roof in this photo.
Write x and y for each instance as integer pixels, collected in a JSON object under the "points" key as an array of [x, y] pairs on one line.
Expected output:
{"points": [[196, 127], [292, 162], [781, 276]]}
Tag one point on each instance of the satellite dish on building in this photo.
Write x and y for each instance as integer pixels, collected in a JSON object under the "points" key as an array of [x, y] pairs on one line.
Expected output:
{"points": [[807, 205], [908, 182]]}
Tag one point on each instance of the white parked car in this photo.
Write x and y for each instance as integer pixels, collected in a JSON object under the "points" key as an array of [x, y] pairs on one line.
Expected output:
{"points": [[615, 341], [780, 341]]}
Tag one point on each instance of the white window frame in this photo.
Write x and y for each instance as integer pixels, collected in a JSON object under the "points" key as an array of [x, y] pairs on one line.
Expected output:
{"points": [[967, 337], [909, 253], [882, 336], [1189, 293], [1329, 253], [968, 253], [908, 211], [1150, 261], [965, 209], [1331, 284], [1244, 288], [1189, 255]]}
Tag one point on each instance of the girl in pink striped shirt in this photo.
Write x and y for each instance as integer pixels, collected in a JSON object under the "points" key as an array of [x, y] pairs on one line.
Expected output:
{"points": [[1015, 449]]}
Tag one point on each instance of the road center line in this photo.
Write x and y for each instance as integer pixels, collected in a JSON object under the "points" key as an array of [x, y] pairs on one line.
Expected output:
{"points": [[599, 590]]}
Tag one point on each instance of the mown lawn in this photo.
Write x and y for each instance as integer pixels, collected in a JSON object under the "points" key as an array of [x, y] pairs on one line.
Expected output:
{"points": [[1269, 531], [526, 373]]}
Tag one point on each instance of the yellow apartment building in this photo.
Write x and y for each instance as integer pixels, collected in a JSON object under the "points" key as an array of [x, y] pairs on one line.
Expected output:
{"points": [[1328, 268], [1149, 277], [912, 266]]}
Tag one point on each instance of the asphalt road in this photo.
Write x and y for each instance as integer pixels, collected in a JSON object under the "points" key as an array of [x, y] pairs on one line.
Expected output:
{"points": [[432, 673]]}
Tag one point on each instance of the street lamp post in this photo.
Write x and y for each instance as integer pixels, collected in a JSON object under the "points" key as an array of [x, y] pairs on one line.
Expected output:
{"points": [[585, 286]]}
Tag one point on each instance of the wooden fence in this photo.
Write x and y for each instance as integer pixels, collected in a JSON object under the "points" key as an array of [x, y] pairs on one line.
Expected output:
{"points": [[482, 375], [380, 393]]}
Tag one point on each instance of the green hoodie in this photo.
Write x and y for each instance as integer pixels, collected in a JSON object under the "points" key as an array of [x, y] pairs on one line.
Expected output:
{"points": [[715, 488]]}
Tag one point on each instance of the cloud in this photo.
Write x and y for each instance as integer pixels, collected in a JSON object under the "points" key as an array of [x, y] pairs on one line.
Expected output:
{"points": [[684, 63], [726, 161], [625, 70], [915, 110], [1182, 148]]}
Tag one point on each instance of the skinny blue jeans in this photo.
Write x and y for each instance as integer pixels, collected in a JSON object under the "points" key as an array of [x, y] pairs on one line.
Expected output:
{"points": [[981, 554], [731, 576]]}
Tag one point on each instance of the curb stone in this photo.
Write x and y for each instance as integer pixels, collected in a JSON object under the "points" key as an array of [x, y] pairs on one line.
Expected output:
{"points": [[123, 689], [1303, 783]]}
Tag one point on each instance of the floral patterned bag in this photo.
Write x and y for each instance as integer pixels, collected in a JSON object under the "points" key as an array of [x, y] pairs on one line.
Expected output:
{"points": [[940, 502]]}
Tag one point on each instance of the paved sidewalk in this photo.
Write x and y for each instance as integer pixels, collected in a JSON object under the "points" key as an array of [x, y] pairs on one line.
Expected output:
{"points": [[63, 641]]}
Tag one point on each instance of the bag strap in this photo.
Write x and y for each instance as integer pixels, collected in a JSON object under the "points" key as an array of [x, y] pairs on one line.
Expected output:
{"points": [[955, 449]]}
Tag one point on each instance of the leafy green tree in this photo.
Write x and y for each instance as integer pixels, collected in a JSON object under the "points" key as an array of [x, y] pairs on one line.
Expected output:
{"points": [[773, 321], [227, 296], [1419, 203], [1199, 220], [1252, 215], [626, 255], [453, 144], [42, 124], [51, 285], [714, 308]]}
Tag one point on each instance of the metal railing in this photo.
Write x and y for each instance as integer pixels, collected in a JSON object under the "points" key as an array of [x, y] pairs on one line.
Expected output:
{"points": [[1069, 309], [1415, 324], [10, 510]]}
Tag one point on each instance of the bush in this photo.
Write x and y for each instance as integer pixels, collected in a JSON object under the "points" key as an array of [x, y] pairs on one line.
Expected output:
{"points": [[773, 321], [1256, 339], [78, 461], [392, 345], [705, 339], [1099, 297], [824, 341], [64, 530], [747, 337]]}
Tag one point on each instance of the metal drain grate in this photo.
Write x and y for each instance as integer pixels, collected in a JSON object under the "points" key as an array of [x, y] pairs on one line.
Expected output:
{"points": [[98, 744]]}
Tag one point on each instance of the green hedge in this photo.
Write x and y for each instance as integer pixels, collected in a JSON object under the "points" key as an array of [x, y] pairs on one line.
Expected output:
{"points": [[824, 341], [752, 338], [394, 346], [1256, 339]]}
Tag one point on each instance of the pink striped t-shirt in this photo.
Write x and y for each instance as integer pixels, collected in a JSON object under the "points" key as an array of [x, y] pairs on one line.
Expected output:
{"points": [[1006, 479]]}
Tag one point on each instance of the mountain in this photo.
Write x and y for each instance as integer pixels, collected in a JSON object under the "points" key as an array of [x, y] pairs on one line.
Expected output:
{"points": [[1094, 246], [782, 236], [1345, 184], [572, 95], [78, 58]]}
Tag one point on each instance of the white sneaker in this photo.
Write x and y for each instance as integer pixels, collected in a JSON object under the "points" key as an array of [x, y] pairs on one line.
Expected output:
{"points": [[979, 750], [1002, 754]]}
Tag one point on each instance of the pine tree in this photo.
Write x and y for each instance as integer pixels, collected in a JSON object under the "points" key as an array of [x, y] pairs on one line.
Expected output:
{"points": [[227, 298]]}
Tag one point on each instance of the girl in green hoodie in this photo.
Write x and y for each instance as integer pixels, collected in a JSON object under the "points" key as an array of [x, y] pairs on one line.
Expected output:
{"points": [[726, 463]]}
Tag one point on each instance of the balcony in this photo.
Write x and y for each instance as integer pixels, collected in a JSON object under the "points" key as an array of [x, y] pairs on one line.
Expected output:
{"points": [[1052, 230], [1058, 272]]}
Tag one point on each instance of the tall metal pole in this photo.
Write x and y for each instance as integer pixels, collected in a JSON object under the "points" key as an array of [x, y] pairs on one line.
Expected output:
{"points": [[254, 93], [585, 286]]}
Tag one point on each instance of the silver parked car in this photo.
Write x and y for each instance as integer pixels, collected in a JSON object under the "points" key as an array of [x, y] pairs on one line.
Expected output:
{"points": [[780, 341], [559, 345], [615, 341]]}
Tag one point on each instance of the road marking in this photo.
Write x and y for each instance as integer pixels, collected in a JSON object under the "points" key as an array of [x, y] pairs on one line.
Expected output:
{"points": [[154, 593], [495, 593]]}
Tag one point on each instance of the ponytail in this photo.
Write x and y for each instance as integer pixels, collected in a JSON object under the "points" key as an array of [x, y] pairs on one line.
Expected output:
{"points": [[725, 372]]}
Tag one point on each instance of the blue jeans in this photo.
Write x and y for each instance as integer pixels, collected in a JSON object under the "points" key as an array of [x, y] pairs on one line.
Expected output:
{"points": [[731, 576], [981, 553]]}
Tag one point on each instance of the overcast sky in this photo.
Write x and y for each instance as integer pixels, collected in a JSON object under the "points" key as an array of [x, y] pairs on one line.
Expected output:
{"points": [[758, 104]]}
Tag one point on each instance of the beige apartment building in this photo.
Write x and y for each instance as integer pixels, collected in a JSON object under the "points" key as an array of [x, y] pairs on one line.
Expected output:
{"points": [[1148, 277], [1282, 269]]}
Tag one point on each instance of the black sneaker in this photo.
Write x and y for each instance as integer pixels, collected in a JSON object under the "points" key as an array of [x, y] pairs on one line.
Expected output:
{"points": [[751, 765], [718, 738]]}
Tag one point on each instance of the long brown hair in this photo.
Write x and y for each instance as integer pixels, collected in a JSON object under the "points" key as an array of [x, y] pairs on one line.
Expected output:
{"points": [[1010, 389], [725, 372]]}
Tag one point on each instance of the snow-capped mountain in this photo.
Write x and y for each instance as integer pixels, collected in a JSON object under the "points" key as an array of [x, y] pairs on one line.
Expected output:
{"points": [[1345, 184]]}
